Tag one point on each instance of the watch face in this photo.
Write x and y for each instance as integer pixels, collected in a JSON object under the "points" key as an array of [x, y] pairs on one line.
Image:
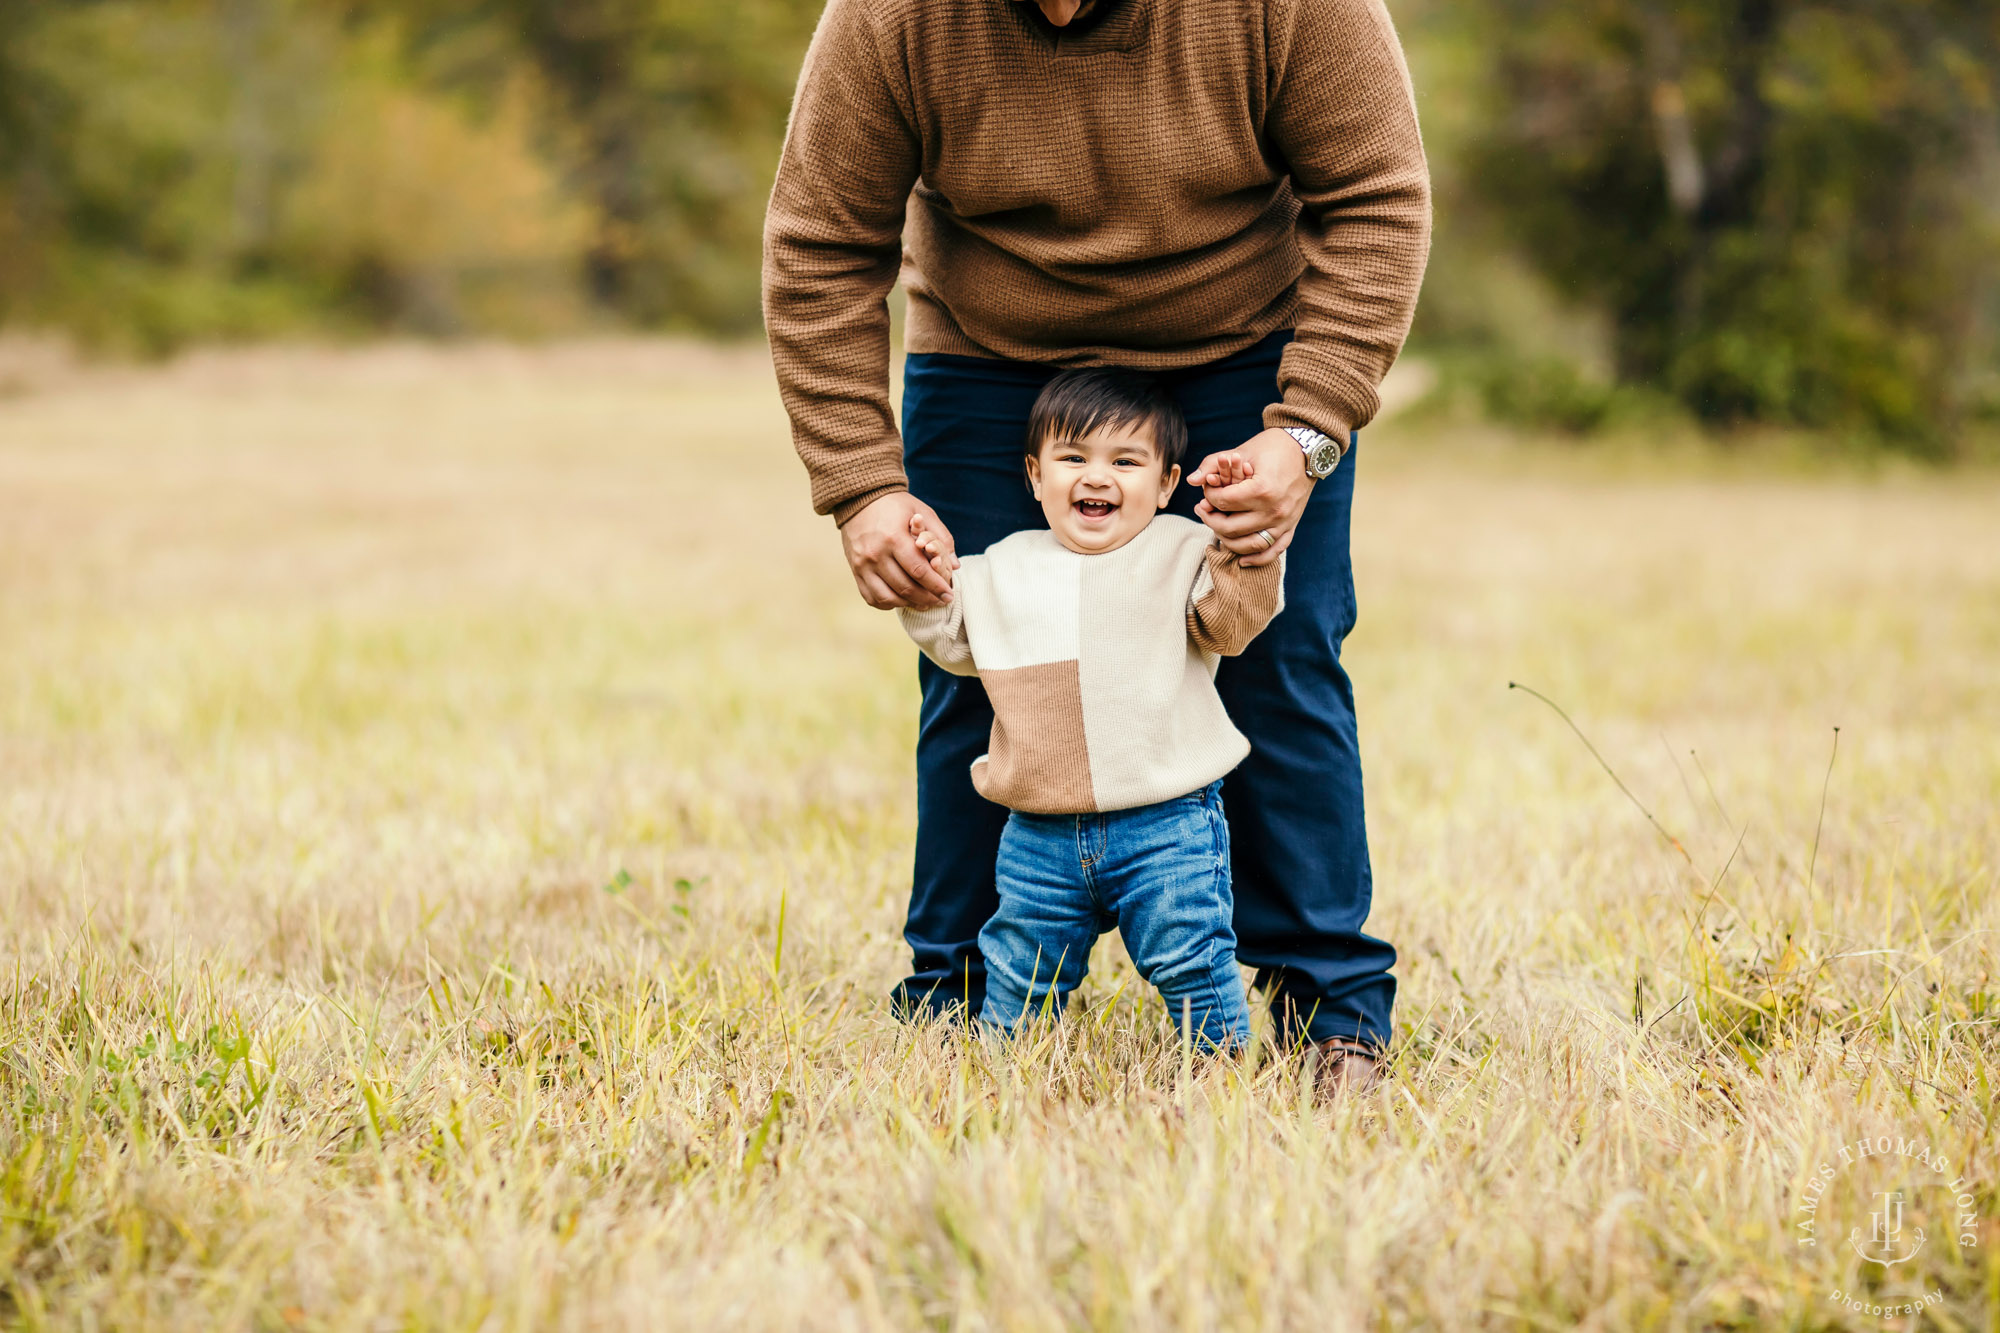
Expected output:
{"points": [[1323, 459]]}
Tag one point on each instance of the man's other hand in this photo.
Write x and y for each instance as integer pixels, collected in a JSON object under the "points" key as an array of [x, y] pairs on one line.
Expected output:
{"points": [[890, 568], [1271, 499]]}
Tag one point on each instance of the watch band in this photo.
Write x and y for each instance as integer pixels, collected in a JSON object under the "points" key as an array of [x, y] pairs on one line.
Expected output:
{"points": [[1322, 450]]}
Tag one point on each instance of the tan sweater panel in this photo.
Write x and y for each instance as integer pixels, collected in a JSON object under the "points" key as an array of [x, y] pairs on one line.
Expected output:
{"points": [[1159, 191]]}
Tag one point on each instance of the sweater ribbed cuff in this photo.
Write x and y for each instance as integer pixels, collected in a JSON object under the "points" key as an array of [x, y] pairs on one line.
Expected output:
{"points": [[1281, 416], [854, 504]]}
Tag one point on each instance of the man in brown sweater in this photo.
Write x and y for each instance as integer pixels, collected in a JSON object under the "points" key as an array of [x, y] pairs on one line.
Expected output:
{"points": [[1231, 192]]}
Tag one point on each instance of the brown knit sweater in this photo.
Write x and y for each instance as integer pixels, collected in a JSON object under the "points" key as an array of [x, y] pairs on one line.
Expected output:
{"points": [[1157, 189]]}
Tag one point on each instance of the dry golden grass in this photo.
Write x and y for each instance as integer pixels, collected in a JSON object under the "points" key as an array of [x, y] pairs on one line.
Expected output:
{"points": [[454, 817]]}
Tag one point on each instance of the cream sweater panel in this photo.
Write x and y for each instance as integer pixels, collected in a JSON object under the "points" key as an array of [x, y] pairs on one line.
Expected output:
{"points": [[1141, 689]]}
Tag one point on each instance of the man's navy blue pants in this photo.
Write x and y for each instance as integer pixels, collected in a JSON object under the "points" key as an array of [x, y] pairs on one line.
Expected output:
{"points": [[1299, 849]]}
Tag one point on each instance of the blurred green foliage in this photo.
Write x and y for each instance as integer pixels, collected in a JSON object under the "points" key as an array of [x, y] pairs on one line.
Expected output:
{"points": [[1779, 211], [184, 169], [667, 116], [1782, 210]]}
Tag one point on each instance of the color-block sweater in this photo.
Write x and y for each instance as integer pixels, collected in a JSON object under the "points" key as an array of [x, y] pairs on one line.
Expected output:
{"points": [[1101, 668], [1159, 185]]}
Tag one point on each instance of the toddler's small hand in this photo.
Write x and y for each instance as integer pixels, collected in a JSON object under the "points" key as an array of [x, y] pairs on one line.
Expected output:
{"points": [[1224, 469], [933, 549]]}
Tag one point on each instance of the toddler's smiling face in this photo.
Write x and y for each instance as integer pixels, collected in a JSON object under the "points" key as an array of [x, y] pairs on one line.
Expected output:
{"points": [[1100, 489]]}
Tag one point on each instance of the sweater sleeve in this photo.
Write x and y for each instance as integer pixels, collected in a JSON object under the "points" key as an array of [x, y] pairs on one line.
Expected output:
{"points": [[940, 633], [1229, 605], [832, 246], [1344, 118]]}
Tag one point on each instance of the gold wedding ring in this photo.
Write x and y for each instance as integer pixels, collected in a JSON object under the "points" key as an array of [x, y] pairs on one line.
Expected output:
{"points": [[1269, 540]]}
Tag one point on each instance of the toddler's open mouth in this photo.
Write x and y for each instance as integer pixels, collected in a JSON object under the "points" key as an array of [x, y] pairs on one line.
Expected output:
{"points": [[1095, 508]]}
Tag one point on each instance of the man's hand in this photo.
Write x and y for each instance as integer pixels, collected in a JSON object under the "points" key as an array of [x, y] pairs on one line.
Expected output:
{"points": [[889, 568], [1261, 486]]}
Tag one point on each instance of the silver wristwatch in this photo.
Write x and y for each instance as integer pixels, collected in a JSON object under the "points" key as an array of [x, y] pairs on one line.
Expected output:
{"points": [[1322, 451]]}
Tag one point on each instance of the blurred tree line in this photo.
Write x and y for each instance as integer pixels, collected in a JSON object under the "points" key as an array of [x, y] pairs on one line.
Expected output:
{"points": [[1778, 210], [186, 169], [1751, 210]]}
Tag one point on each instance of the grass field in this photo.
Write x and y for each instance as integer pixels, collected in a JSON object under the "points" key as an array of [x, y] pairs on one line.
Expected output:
{"points": [[454, 816]]}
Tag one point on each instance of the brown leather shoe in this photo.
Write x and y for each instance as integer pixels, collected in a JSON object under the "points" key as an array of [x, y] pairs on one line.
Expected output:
{"points": [[1344, 1066]]}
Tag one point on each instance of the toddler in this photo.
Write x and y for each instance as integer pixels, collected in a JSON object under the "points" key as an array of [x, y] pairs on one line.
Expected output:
{"points": [[1097, 640]]}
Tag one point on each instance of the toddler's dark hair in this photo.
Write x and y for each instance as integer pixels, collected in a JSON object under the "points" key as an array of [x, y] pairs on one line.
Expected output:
{"points": [[1077, 402]]}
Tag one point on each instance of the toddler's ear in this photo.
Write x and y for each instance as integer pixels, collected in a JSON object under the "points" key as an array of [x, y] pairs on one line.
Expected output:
{"points": [[1167, 484]]}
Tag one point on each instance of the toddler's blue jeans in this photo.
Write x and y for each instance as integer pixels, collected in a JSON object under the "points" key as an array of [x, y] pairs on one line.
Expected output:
{"points": [[1159, 873]]}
